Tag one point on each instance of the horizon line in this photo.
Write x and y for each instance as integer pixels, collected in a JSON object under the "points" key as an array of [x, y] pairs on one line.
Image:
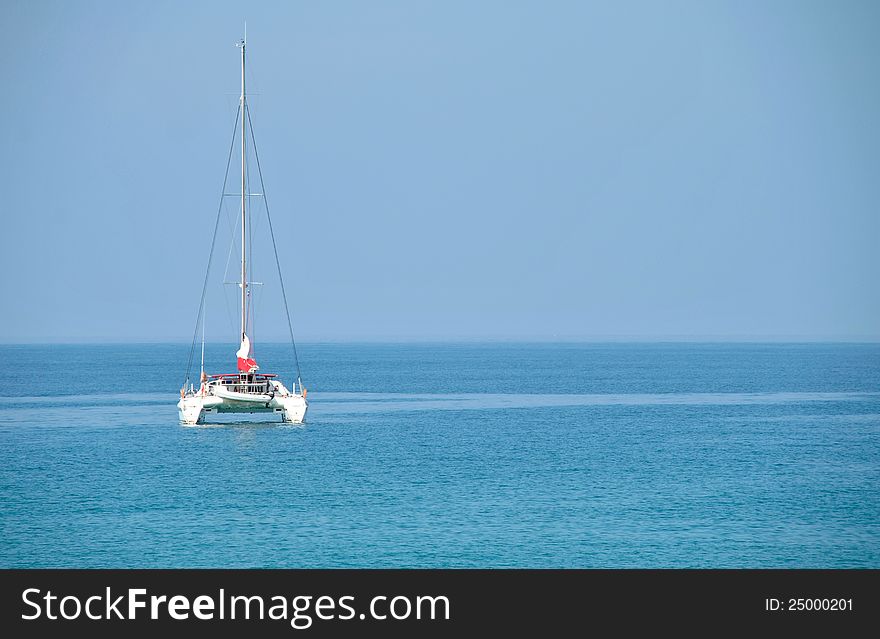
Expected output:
{"points": [[623, 339]]}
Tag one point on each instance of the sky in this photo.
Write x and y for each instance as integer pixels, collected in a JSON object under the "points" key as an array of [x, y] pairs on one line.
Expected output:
{"points": [[446, 170]]}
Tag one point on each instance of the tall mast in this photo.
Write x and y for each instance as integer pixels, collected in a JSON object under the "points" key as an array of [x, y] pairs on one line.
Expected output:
{"points": [[243, 115]]}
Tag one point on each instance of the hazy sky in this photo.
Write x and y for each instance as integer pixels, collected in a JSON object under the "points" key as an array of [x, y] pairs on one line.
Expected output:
{"points": [[537, 170]]}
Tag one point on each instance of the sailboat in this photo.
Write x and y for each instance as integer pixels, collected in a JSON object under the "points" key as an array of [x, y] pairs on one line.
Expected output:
{"points": [[247, 390]]}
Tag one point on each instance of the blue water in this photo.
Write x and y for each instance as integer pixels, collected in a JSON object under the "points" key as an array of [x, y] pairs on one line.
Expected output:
{"points": [[449, 455]]}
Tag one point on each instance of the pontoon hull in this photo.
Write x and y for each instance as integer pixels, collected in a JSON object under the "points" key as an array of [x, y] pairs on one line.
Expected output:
{"points": [[292, 408]]}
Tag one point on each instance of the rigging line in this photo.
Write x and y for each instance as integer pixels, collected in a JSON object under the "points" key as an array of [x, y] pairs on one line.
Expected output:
{"points": [[274, 246], [252, 305], [211, 253], [233, 330], [234, 223], [204, 317], [252, 273], [252, 290], [233, 236], [250, 244], [233, 227], [229, 254]]}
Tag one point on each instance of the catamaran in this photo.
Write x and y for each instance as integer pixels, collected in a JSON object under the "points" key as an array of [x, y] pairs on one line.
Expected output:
{"points": [[247, 390]]}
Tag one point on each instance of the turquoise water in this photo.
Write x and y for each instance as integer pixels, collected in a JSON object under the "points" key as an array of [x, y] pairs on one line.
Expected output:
{"points": [[449, 455]]}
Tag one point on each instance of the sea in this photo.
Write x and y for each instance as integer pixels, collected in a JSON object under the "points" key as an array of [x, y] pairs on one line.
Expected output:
{"points": [[490, 455]]}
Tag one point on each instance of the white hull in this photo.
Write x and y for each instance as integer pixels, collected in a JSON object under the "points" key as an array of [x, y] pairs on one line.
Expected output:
{"points": [[213, 398]]}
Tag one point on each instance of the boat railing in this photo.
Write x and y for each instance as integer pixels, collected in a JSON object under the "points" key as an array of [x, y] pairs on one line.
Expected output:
{"points": [[247, 387]]}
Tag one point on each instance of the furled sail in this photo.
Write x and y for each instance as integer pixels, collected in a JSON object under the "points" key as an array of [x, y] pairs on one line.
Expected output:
{"points": [[246, 362]]}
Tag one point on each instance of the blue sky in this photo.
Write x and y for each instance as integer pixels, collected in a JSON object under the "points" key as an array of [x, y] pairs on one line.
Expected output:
{"points": [[448, 170]]}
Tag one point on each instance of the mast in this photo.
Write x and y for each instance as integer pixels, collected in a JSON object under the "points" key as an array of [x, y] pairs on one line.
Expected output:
{"points": [[243, 106]]}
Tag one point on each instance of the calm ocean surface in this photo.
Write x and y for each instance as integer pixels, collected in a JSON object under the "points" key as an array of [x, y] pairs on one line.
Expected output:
{"points": [[449, 455]]}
